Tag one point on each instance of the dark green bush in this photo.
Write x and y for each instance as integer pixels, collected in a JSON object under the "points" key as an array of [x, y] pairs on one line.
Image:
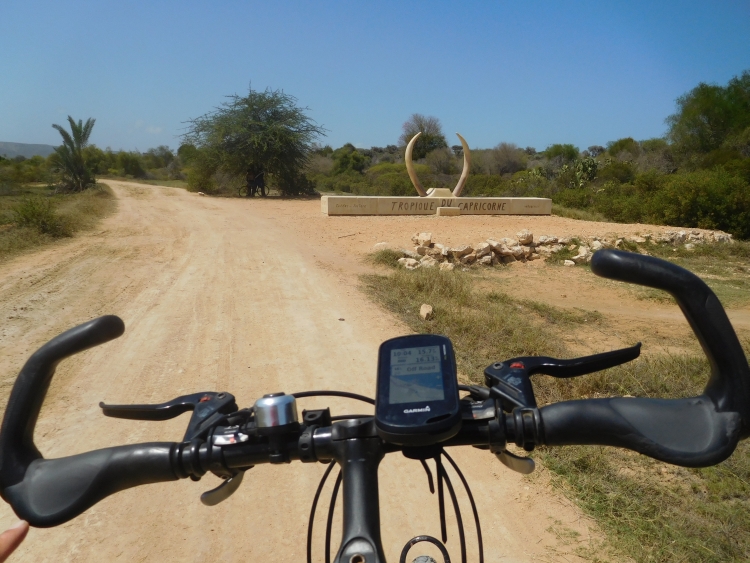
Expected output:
{"points": [[617, 171], [39, 213], [708, 199], [567, 152], [628, 144]]}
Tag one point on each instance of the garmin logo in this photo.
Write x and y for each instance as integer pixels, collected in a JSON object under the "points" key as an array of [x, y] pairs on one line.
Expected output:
{"points": [[409, 411]]}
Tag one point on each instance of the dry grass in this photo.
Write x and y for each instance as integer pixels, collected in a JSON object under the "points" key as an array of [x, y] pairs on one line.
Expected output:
{"points": [[72, 213], [651, 511]]}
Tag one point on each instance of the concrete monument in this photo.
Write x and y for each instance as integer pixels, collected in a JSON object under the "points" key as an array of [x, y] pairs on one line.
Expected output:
{"points": [[435, 201]]}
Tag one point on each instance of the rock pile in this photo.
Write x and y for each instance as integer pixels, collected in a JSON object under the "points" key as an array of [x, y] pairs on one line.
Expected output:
{"points": [[430, 254]]}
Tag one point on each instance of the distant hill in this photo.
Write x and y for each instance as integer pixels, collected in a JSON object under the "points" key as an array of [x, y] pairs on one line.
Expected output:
{"points": [[9, 150]]}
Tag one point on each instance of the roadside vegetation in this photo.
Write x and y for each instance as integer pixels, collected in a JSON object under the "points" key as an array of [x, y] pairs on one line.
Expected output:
{"points": [[46, 199], [34, 215], [697, 175], [651, 511]]}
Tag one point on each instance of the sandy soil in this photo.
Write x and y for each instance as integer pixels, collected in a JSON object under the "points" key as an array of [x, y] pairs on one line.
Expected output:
{"points": [[248, 297], [339, 243]]}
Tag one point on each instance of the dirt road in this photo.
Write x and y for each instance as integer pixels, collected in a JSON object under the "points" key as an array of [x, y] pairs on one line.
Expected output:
{"points": [[220, 295]]}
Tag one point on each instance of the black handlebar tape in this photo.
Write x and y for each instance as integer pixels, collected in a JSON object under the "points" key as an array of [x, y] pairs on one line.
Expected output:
{"points": [[686, 432], [729, 384], [17, 449], [692, 432], [54, 491]]}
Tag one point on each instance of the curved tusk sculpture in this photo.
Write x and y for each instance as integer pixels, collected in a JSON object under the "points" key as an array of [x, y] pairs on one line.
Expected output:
{"points": [[410, 166], [465, 172]]}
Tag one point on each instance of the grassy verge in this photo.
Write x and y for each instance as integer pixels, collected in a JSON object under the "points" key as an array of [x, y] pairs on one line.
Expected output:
{"points": [[579, 214], [31, 216], [650, 511], [724, 267]]}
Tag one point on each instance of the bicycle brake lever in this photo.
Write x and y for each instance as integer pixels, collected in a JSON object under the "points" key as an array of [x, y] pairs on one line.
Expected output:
{"points": [[208, 408], [224, 490], [577, 366], [524, 465], [510, 381]]}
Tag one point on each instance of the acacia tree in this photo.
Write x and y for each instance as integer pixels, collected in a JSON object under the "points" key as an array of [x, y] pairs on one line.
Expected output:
{"points": [[432, 134], [69, 159], [254, 136]]}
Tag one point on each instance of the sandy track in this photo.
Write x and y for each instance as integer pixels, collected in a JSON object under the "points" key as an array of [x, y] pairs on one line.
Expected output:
{"points": [[222, 295]]}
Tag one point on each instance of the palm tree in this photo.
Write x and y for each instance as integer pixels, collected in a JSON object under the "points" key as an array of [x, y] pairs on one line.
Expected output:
{"points": [[76, 175]]}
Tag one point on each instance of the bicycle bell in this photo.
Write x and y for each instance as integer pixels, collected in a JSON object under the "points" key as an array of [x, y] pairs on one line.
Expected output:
{"points": [[274, 410]]}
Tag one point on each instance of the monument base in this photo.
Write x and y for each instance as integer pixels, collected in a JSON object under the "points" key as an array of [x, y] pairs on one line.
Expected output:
{"points": [[378, 205]]}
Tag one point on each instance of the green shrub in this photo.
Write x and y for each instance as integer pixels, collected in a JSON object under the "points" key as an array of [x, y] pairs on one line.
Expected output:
{"points": [[487, 185], [567, 152], [201, 179], [708, 199], [628, 144], [38, 213], [617, 171]]}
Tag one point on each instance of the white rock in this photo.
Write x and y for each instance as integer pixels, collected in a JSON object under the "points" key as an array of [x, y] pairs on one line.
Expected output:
{"points": [[422, 239], [569, 263], [525, 236], [485, 260], [494, 245], [722, 237], [447, 266], [596, 245], [679, 237], [503, 250], [527, 251], [618, 243], [436, 253], [409, 253], [409, 263], [468, 259], [582, 256], [636, 239], [428, 262], [381, 246], [509, 241], [460, 251], [543, 240], [690, 246], [483, 249], [563, 240], [425, 311], [534, 256]]}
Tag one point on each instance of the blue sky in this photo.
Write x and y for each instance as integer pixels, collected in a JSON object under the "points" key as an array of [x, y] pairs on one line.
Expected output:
{"points": [[530, 73]]}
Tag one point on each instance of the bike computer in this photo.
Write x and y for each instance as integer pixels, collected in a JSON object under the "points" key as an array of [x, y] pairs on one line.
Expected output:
{"points": [[417, 396]]}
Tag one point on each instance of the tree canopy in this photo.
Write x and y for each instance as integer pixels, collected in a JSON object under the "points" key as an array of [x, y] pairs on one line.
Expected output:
{"points": [[252, 136], [710, 116], [432, 134]]}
